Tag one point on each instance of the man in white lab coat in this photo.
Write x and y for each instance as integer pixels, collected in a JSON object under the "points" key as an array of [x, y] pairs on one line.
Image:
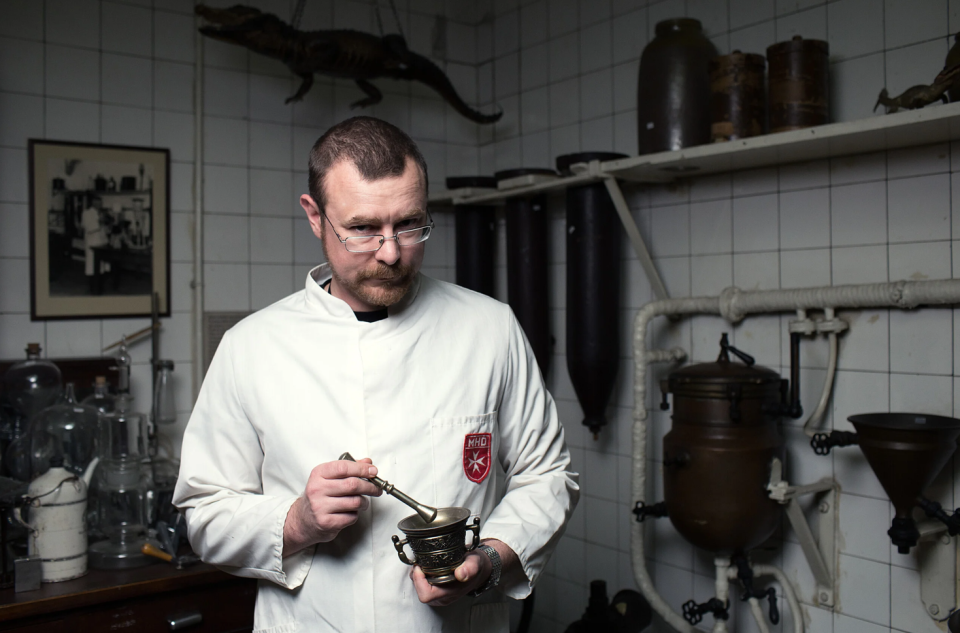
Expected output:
{"points": [[375, 359]]}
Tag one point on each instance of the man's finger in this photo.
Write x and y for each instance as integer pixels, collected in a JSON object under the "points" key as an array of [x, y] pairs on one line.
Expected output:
{"points": [[343, 469]]}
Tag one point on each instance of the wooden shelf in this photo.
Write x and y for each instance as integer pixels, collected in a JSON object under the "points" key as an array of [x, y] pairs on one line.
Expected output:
{"points": [[934, 124]]}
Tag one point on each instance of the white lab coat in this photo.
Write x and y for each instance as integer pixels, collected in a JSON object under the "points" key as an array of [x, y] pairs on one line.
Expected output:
{"points": [[302, 381]]}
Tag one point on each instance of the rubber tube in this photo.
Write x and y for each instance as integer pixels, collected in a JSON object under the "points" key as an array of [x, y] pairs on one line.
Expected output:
{"points": [[788, 592], [758, 615], [810, 427]]}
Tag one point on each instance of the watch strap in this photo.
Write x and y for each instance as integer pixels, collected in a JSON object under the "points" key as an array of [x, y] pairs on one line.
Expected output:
{"points": [[494, 578]]}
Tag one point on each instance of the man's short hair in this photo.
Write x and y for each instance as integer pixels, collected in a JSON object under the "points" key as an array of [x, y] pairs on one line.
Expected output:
{"points": [[377, 148]]}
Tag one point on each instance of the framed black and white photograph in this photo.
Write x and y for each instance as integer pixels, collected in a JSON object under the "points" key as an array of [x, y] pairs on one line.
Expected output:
{"points": [[99, 230]]}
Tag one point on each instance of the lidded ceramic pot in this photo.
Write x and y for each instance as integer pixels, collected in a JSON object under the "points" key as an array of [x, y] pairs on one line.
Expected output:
{"points": [[673, 90]]}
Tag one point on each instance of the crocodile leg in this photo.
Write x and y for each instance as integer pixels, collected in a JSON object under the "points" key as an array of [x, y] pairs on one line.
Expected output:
{"points": [[303, 89], [374, 96]]}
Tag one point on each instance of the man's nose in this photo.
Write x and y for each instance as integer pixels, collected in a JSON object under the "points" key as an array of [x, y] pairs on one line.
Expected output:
{"points": [[389, 252]]}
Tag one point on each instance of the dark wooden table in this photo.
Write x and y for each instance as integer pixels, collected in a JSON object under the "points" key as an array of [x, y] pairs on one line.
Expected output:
{"points": [[142, 600]]}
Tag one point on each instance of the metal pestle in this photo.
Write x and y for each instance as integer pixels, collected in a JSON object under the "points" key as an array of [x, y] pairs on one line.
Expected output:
{"points": [[426, 513]]}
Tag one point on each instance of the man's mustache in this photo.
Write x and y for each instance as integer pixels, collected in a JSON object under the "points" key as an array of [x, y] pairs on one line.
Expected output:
{"points": [[382, 272]]}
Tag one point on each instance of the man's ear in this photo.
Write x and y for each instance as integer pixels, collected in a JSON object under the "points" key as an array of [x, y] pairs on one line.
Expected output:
{"points": [[313, 214]]}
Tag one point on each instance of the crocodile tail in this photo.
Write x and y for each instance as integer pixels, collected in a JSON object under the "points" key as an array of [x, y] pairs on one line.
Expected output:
{"points": [[419, 68]]}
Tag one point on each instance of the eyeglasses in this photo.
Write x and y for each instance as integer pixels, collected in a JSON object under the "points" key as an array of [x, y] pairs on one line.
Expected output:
{"points": [[371, 243]]}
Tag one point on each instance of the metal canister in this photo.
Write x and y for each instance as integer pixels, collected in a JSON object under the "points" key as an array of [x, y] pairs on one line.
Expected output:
{"points": [[476, 236], [528, 273], [736, 96], [798, 83], [717, 456], [593, 291]]}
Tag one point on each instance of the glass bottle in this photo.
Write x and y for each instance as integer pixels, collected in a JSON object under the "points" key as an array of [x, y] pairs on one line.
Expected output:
{"points": [[164, 409], [14, 442], [123, 367], [33, 384], [68, 430], [101, 399]]}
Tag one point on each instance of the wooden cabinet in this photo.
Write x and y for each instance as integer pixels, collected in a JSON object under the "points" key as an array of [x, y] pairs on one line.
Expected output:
{"points": [[200, 599]]}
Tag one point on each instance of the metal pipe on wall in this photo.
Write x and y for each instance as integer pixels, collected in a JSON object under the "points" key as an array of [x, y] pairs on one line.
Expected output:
{"points": [[197, 284], [734, 305]]}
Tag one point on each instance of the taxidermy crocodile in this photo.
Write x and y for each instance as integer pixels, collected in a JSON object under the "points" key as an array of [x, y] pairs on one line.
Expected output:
{"points": [[921, 95], [338, 53]]}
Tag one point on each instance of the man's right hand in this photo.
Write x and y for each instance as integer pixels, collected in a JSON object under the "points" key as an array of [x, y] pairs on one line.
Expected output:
{"points": [[334, 496]]}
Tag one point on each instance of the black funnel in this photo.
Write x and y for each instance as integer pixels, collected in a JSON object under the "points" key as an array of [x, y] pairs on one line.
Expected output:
{"points": [[906, 451]]}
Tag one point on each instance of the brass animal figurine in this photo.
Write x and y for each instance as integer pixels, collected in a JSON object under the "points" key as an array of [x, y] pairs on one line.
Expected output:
{"points": [[346, 54], [921, 95]]}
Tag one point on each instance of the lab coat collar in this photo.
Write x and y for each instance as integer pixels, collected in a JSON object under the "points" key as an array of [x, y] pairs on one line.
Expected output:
{"points": [[322, 301]]}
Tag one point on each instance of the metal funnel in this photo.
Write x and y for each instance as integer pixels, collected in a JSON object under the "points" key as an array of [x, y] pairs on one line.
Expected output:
{"points": [[906, 451]]}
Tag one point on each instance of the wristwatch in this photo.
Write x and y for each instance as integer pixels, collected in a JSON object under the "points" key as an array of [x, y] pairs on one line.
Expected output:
{"points": [[494, 579]]}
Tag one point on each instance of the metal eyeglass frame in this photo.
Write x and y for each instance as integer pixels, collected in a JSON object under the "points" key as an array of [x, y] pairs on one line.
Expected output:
{"points": [[395, 236]]}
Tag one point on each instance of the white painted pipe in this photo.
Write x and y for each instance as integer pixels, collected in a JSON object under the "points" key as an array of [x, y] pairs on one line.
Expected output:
{"points": [[811, 426], [758, 615], [735, 304], [722, 590], [197, 312]]}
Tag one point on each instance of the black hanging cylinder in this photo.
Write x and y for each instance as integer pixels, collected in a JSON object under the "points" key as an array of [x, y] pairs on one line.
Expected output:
{"points": [[528, 231], [593, 292], [476, 237]]}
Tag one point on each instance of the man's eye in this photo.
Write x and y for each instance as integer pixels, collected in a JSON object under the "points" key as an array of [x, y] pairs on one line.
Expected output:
{"points": [[360, 228], [408, 223]]}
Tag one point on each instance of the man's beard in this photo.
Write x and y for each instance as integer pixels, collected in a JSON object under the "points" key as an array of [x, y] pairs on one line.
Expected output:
{"points": [[399, 278]]}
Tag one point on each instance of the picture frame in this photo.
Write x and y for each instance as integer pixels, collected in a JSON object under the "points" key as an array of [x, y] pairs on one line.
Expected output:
{"points": [[99, 230]]}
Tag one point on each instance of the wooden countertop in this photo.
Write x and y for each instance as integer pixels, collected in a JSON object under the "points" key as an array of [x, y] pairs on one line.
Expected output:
{"points": [[100, 586]]}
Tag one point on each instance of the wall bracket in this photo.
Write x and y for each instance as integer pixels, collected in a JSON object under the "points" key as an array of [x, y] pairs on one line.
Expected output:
{"points": [[821, 553], [937, 560]]}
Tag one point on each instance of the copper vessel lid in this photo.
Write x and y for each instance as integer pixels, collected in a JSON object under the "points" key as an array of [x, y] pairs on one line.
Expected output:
{"points": [[712, 379]]}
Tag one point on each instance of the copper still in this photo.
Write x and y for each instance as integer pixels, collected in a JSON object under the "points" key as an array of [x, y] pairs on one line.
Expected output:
{"points": [[717, 457], [736, 96], [798, 84]]}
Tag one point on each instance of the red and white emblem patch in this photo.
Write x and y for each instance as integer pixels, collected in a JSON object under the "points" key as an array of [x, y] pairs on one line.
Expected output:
{"points": [[476, 456]]}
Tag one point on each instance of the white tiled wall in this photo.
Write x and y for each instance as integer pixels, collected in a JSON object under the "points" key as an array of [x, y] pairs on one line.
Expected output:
{"points": [[866, 218], [122, 72], [564, 71]]}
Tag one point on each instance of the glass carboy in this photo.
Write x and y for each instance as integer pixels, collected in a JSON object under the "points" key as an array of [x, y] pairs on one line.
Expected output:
{"points": [[67, 429], [33, 384]]}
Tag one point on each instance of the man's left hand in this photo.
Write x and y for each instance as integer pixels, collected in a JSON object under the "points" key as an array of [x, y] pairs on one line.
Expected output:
{"points": [[471, 574]]}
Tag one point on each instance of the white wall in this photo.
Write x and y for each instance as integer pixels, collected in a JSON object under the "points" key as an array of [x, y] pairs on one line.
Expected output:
{"points": [[565, 73], [123, 73]]}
